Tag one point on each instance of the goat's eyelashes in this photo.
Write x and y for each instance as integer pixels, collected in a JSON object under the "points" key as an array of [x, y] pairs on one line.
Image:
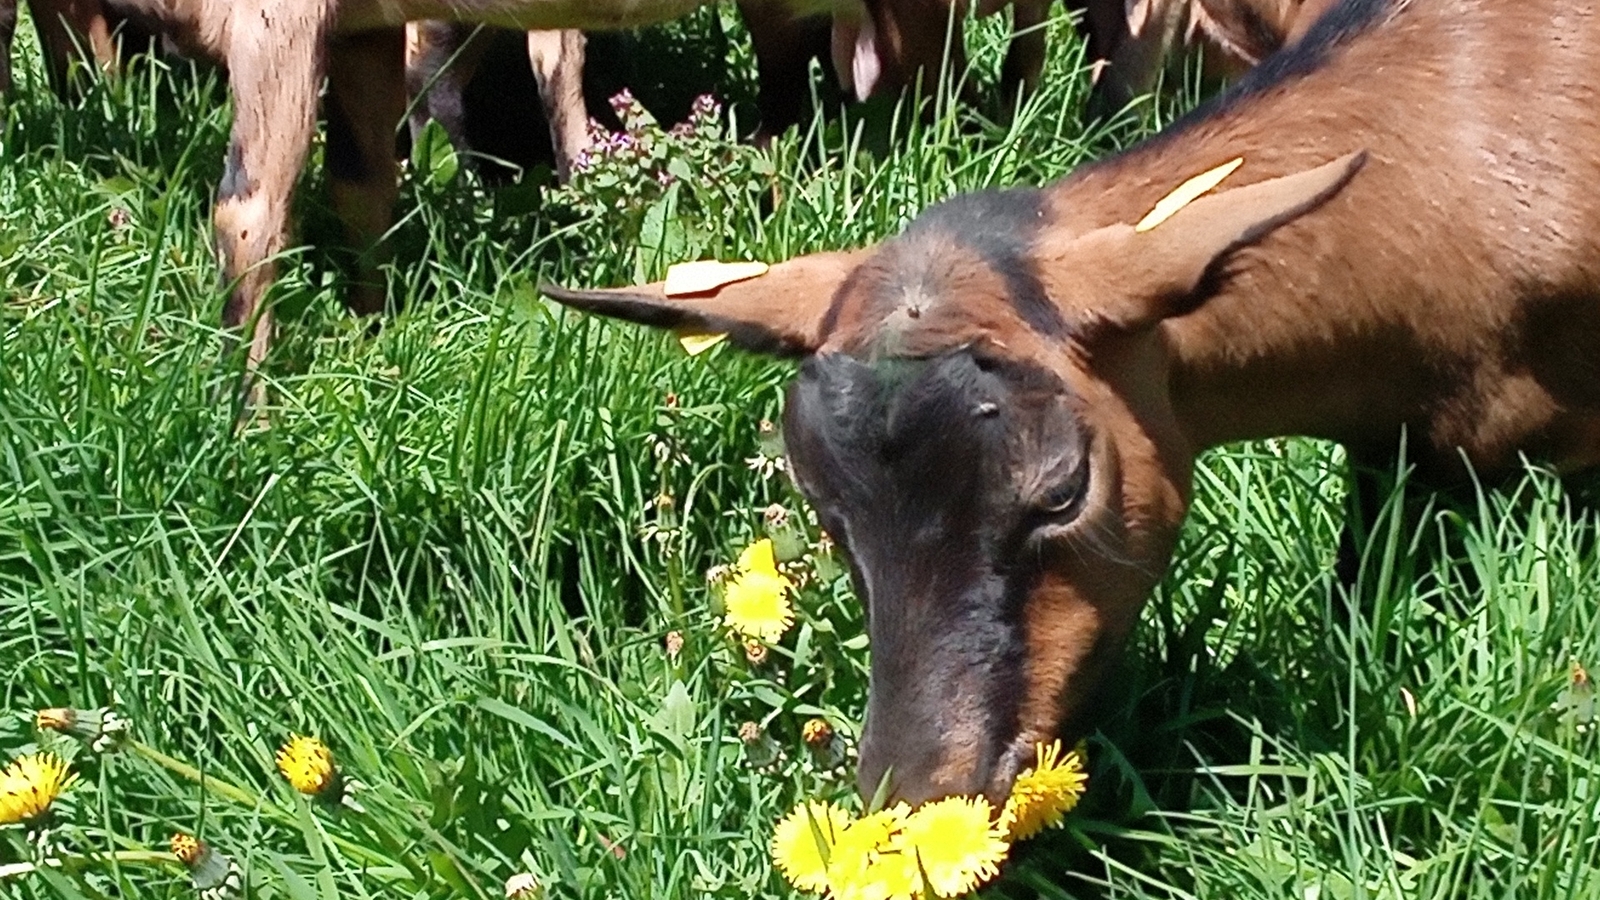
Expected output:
{"points": [[1065, 500]]}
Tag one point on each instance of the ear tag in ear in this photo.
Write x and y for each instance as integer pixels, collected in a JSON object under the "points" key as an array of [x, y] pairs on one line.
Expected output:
{"points": [[707, 275], [1186, 194], [695, 343]]}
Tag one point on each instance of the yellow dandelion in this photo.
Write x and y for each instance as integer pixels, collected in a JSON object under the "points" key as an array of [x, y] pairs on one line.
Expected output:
{"points": [[803, 841], [853, 869], [30, 784], [1043, 795], [756, 600], [892, 875], [956, 842], [308, 765]]}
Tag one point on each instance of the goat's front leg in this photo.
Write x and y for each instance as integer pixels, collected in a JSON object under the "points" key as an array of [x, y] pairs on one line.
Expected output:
{"points": [[366, 100], [275, 68], [71, 31], [785, 42], [557, 59], [8, 28], [441, 57], [1024, 63]]}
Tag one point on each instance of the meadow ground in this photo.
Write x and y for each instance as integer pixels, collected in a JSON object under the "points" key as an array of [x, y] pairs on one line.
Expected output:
{"points": [[456, 548]]}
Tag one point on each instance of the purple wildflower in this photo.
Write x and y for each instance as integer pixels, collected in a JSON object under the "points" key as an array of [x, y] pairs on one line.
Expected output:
{"points": [[622, 101]]}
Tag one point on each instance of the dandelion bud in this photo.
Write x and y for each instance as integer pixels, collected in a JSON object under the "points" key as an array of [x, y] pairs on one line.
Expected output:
{"points": [[817, 733], [716, 576], [211, 873], [755, 652], [760, 750], [825, 744], [523, 886], [102, 729]]}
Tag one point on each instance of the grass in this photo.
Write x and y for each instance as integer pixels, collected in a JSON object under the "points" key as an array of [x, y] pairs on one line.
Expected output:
{"points": [[449, 556]]}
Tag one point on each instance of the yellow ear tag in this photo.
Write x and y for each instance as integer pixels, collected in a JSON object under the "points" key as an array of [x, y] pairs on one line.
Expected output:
{"points": [[695, 343], [708, 275], [1186, 194]]}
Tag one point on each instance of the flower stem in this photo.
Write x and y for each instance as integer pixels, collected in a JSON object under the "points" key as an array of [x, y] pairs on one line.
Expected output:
{"points": [[133, 857], [214, 785]]}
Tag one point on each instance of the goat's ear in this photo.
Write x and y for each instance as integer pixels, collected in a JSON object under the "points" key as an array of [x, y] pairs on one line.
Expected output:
{"points": [[1167, 270], [780, 312]]}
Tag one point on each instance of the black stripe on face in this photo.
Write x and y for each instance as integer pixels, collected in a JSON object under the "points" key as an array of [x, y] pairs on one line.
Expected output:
{"points": [[1000, 228]]}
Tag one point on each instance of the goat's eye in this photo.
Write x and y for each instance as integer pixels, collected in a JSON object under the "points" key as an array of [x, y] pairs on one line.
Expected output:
{"points": [[1065, 499]]}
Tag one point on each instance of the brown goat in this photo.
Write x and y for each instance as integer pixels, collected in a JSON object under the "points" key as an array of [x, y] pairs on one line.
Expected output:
{"points": [[278, 52], [998, 411]]}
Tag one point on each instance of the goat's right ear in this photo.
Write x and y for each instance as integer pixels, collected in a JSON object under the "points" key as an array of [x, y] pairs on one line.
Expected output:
{"points": [[780, 312]]}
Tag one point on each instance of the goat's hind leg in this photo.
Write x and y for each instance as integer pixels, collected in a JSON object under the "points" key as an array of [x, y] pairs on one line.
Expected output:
{"points": [[557, 60]]}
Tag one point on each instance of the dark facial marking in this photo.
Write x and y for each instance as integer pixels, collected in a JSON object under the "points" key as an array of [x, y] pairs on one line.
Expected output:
{"points": [[913, 465], [1000, 227]]}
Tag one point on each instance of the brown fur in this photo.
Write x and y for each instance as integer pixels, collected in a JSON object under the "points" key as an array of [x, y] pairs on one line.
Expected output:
{"points": [[1130, 41], [1448, 288], [277, 53]]}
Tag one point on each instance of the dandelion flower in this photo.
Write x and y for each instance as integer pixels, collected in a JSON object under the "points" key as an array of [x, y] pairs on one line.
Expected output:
{"points": [[30, 784], [1043, 795], [803, 841], [853, 873], [308, 765], [956, 842], [756, 600], [891, 875]]}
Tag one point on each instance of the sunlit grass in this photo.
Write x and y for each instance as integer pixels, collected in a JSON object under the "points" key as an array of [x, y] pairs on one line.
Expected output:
{"points": [[458, 548]]}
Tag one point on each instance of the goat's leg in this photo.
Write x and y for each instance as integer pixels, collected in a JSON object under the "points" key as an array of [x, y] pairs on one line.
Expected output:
{"points": [[71, 31], [1136, 54], [8, 29], [441, 57], [366, 99], [275, 74], [1024, 62], [557, 58], [784, 45]]}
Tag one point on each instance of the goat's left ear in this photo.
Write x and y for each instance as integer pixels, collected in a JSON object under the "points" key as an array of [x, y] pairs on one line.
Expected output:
{"points": [[780, 312], [1139, 277]]}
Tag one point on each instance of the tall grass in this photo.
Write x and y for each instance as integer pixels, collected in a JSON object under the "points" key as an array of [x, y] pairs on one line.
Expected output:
{"points": [[447, 553]]}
